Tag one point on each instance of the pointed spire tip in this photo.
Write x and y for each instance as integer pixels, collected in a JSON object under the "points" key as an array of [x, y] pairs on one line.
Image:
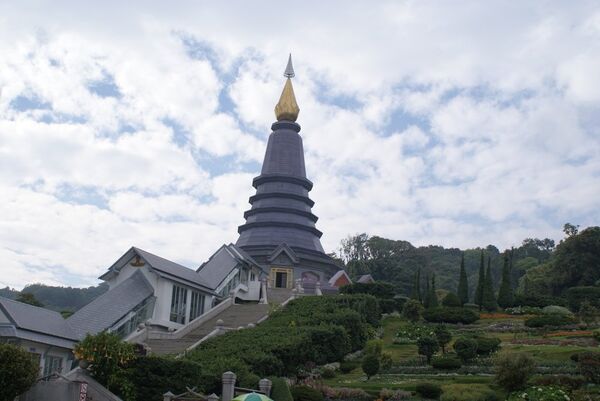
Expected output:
{"points": [[289, 69]]}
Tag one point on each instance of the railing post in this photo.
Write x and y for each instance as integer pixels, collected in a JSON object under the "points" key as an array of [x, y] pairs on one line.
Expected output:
{"points": [[213, 397], [318, 288], [228, 379], [263, 292], [265, 385], [168, 396]]}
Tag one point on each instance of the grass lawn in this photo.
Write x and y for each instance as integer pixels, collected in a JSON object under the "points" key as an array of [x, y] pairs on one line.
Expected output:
{"points": [[554, 353]]}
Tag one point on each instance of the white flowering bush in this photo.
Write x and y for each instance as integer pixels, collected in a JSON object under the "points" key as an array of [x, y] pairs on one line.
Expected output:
{"points": [[540, 393], [410, 334]]}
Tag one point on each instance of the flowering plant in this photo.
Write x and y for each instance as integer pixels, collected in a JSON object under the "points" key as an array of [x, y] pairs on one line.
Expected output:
{"points": [[410, 334], [540, 393]]}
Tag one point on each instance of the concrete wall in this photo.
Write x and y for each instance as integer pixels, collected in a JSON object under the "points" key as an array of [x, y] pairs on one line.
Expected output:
{"points": [[45, 350]]}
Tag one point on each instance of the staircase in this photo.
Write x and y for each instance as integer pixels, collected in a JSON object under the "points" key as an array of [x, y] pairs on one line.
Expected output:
{"points": [[278, 296], [232, 317]]}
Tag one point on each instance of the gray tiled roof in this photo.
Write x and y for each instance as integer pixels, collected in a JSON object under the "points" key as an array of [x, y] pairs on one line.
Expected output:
{"points": [[221, 263], [33, 318], [108, 308], [172, 269], [365, 278]]}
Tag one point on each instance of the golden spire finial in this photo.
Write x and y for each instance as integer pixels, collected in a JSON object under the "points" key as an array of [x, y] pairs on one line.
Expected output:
{"points": [[287, 108]]}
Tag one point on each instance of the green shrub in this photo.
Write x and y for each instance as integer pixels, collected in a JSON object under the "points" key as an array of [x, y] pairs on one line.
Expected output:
{"points": [[450, 315], [589, 366], [18, 371], [443, 336], [429, 390], [378, 289], [513, 370], [349, 366], [452, 300], [387, 305], [305, 393], [471, 306], [465, 348], [427, 346], [446, 362], [538, 300], [280, 390], [327, 373], [577, 295], [556, 310], [374, 347], [412, 310], [370, 365], [566, 381], [487, 345], [400, 302], [386, 361], [468, 392], [152, 376], [549, 320]]}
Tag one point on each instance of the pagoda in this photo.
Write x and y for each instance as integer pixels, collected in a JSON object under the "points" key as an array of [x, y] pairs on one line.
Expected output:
{"points": [[280, 230]]}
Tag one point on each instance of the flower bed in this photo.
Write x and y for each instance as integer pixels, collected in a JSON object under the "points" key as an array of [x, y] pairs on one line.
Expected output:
{"points": [[495, 316], [410, 334], [540, 393], [571, 333], [578, 342]]}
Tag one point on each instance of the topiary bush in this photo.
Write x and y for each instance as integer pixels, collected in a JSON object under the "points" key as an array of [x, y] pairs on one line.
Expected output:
{"points": [[487, 345], [549, 320], [429, 390], [349, 366], [280, 390], [305, 393], [446, 362], [412, 310], [451, 300], [370, 365], [446, 314], [465, 348], [18, 371], [538, 300], [556, 310], [427, 346]]}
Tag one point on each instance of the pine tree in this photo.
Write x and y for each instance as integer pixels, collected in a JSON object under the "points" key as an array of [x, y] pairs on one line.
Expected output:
{"points": [[505, 294], [426, 298], [415, 290], [419, 297], [463, 283], [432, 296], [488, 300], [480, 283]]}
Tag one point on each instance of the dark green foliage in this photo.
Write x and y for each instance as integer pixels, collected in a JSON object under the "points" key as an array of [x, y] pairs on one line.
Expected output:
{"points": [[588, 313], [577, 295], [432, 301], [452, 300], [378, 289], [305, 393], [505, 293], [589, 366], [429, 390], [374, 347], [427, 346], [513, 370], [387, 305], [153, 376], [443, 336], [487, 345], [488, 300], [412, 310], [549, 320], [58, 298], [370, 365], [563, 381], [450, 315], [328, 373], [465, 348], [400, 301], [280, 390], [426, 296], [480, 283], [446, 362], [18, 371], [309, 329], [463, 282], [538, 301], [416, 289], [348, 366], [29, 298]]}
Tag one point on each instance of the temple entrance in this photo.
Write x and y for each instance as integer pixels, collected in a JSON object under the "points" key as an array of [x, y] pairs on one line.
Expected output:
{"points": [[281, 278]]}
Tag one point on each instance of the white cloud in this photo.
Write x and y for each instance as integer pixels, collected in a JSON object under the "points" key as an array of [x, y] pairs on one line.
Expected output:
{"points": [[460, 125]]}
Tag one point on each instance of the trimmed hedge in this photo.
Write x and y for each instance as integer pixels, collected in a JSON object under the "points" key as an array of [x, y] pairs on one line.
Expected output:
{"points": [[450, 315], [549, 320], [429, 390], [538, 300], [280, 390], [446, 362], [305, 393], [349, 366], [487, 345]]}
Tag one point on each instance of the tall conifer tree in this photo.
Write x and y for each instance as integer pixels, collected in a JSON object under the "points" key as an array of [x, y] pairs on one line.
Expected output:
{"points": [[426, 297], [480, 283], [488, 298], [415, 291], [463, 283], [432, 296], [505, 293]]}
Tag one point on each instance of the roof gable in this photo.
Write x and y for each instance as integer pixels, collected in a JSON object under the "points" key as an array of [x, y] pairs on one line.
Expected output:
{"points": [[34, 318], [286, 250]]}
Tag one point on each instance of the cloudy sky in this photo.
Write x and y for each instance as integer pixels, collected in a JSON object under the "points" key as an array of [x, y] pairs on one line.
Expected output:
{"points": [[455, 123]]}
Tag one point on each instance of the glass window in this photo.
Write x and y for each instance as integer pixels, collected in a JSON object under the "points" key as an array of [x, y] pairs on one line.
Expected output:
{"points": [[197, 305], [52, 364], [178, 304]]}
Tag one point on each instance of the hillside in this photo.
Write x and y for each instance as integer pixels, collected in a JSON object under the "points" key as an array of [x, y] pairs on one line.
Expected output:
{"points": [[58, 298]]}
